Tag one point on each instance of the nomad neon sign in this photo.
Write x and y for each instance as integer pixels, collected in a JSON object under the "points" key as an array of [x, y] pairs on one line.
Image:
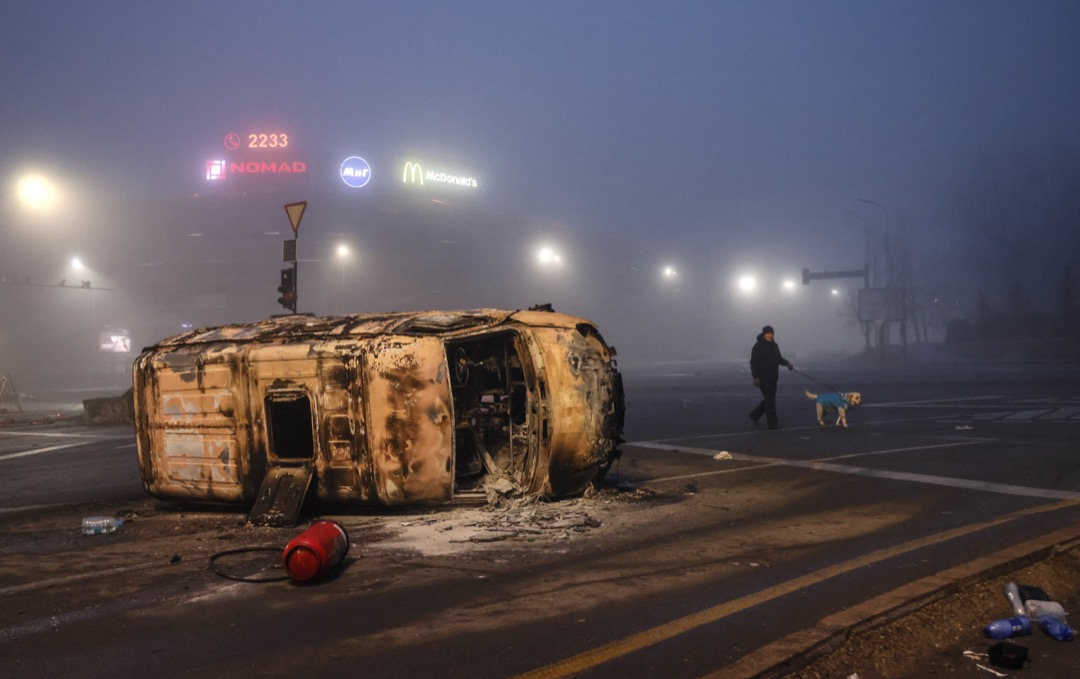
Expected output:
{"points": [[414, 173], [217, 170], [263, 167], [355, 172]]}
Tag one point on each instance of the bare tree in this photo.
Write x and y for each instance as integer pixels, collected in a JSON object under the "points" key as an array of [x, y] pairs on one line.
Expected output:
{"points": [[1020, 213]]}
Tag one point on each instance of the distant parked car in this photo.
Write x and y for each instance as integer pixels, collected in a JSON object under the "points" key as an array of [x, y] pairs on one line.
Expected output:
{"points": [[379, 409]]}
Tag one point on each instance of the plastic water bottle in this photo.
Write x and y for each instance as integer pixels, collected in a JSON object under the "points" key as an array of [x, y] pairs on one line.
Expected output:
{"points": [[1012, 593], [96, 525], [1055, 628], [1008, 627]]}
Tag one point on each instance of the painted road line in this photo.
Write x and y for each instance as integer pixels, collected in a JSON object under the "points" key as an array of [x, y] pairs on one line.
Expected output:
{"points": [[52, 434], [46, 449], [823, 465], [931, 402], [1063, 414], [766, 432], [636, 642], [762, 465], [1027, 414]]}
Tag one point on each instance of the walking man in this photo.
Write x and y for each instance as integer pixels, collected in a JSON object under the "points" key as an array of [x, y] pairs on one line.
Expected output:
{"points": [[765, 362]]}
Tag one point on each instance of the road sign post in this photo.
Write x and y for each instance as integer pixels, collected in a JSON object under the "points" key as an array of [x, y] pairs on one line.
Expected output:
{"points": [[290, 278]]}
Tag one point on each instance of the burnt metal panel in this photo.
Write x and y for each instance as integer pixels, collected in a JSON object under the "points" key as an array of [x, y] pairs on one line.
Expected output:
{"points": [[194, 443], [410, 420], [281, 496]]}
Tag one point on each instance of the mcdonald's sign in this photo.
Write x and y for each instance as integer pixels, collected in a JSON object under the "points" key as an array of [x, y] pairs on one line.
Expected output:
{"points": [[414, 173]]}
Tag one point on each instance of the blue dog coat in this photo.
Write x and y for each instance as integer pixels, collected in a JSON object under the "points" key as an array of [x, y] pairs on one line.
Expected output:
{"points": [[832, 403]]}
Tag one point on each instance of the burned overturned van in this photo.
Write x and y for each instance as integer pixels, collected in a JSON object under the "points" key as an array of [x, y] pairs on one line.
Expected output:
{"points": [[379, 409]]}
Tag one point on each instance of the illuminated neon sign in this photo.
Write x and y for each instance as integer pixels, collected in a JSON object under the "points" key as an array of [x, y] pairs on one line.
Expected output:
{"points": [[215, 170], [262, 140], [257, 145], [414, 173], [257, 167], [355, 172]]}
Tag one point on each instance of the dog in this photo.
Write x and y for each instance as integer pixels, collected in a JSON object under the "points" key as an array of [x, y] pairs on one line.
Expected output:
{"points": [[836, 403]]}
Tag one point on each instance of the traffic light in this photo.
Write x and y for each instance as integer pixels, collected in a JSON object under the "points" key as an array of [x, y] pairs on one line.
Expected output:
{"points": [[288, 290]]}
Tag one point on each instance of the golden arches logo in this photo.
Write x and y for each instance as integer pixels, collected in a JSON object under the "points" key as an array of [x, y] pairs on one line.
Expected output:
{"points": [[412, 170]]}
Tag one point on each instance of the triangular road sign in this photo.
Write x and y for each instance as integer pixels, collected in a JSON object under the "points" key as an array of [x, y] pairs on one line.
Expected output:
{"points": [[296, 213]]}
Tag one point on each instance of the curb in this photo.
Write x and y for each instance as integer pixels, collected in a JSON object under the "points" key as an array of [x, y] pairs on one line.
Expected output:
{"points": [[800, 649]]}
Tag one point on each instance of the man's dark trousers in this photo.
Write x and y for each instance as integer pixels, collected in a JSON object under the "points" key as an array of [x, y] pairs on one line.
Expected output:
{"points": [[767, 406]]}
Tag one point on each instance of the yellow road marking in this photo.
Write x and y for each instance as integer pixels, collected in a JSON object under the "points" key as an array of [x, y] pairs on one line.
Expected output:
{"points": [[649, 637]]}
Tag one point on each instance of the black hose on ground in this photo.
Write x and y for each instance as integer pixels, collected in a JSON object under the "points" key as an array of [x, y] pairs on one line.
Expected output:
{"points": [[245, 550]]}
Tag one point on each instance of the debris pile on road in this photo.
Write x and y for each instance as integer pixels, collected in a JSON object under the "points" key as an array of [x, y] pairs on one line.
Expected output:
{"points": [[529, 519], [518, 519]]}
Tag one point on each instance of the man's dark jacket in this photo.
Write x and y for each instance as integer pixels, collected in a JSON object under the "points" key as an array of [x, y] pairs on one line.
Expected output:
{"points": [[765, 360]]}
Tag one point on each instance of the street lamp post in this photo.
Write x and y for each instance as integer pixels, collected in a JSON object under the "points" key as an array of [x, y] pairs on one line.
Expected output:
{"points": [[888, 240], [342, 255]]}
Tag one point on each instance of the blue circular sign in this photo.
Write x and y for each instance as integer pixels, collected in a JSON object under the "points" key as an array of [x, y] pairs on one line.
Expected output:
{"points": [[355, 172]]}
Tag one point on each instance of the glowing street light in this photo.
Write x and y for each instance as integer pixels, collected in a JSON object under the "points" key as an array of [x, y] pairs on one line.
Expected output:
{"points": [[788, 285], [342, 256], [670, 273], [747, 284], [37, 193], [548, 257]]}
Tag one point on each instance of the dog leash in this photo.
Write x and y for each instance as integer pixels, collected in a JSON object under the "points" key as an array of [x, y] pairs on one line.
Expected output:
{"points": [[815, 380]]}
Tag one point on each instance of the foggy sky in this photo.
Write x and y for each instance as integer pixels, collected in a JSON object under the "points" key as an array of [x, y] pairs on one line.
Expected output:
{"points": [[719, 136]]}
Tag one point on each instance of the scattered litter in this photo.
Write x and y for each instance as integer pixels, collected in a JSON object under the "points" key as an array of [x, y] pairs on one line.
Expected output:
{"points": [[984, 657], [1007, 656], [1032, 592], [722, 455], [96, 525]]}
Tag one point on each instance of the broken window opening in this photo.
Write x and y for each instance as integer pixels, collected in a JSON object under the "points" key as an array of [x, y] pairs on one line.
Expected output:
{"points": [[491, 410], [289, 424]]}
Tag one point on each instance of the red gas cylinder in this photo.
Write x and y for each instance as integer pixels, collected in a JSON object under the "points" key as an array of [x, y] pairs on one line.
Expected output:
{"points": [[313, 553]]}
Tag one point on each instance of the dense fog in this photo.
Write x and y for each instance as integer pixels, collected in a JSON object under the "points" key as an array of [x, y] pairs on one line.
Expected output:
{"points": [[666, 170]]}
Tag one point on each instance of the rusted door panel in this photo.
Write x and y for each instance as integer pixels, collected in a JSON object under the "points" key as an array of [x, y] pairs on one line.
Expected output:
{"points": [[196, 441], [281, 496], [329, 373], [410, 420], [343, 461]]}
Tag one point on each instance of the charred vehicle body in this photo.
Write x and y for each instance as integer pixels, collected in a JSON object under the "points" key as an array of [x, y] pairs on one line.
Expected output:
{"points": [[380, 409]]}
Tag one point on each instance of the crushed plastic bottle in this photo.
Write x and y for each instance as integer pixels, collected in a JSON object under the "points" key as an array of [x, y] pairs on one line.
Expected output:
{"points": [[1055, 629], [1012, 593], [1008, 627], [96, 525]]}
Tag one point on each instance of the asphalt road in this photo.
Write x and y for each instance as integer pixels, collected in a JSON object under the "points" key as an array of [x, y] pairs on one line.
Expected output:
{"points": [[684, 566]]}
